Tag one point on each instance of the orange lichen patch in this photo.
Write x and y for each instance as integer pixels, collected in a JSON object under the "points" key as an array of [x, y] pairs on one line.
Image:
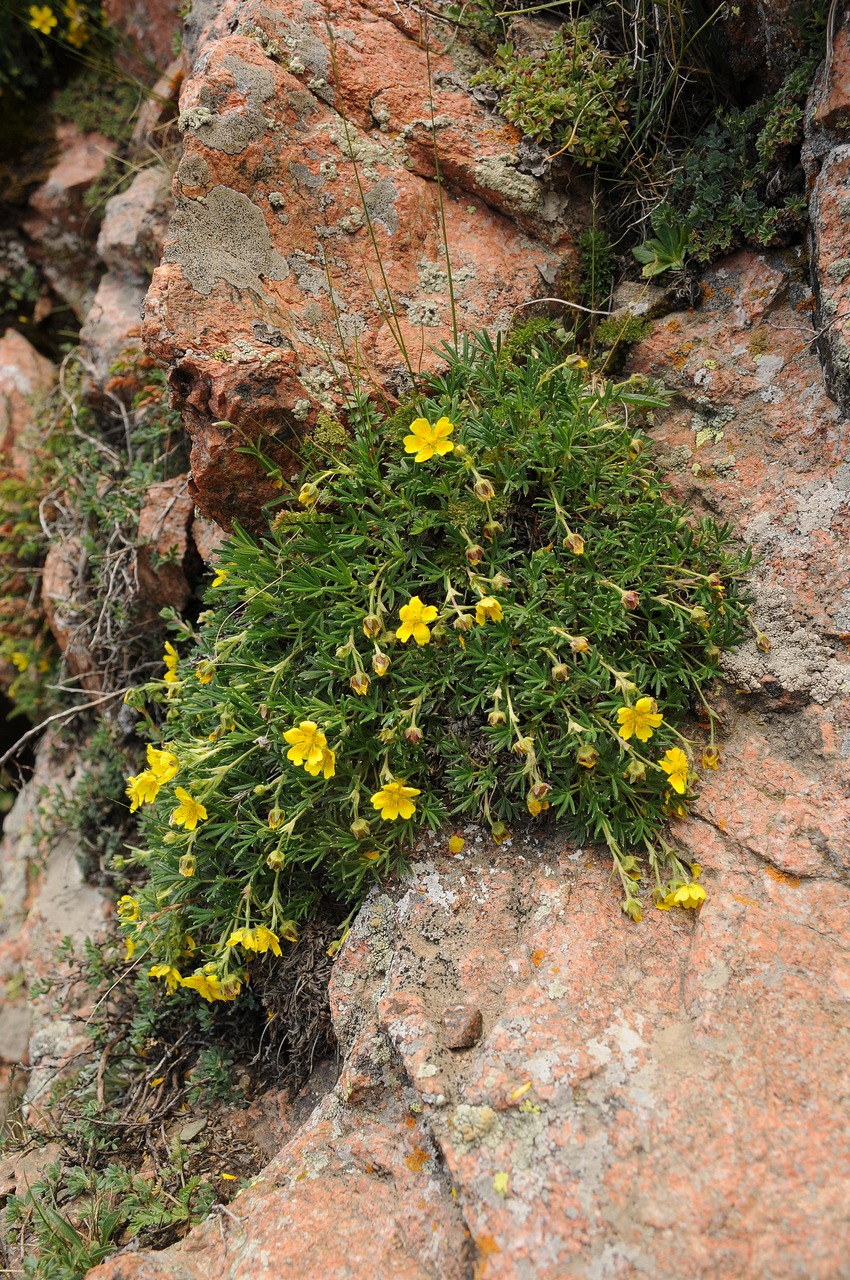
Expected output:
{"points": [[536, 957], [782, 877], [759, 343], [706, 291], [674, 326], [721, 824], [679, 356], [486, 1247], [748, 902], [417, 1160], [410, 1121], [807, 305]]}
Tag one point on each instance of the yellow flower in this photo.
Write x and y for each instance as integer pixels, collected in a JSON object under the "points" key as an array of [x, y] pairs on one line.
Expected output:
{"points": [[42, 19], [395, 800], [170, 658], [675, 765], [483, 490], [488, 609], [308, 493], [260, 940], [371, 855], [640, 719], [127, 908], [306, 743], [575, 542], [380, 663], [711, 758], [19, 660], [209, 986], [425, 440], [167, 971], [580, 644], [326, 764], [275, 818], [131, 947], [142, 789], [162, 764], [220, 577], [205, 672], [189, 812], [587, 755], [187, 865], [689, 896], [456, 844], [77, 33], [360, 683], [414, 617]]}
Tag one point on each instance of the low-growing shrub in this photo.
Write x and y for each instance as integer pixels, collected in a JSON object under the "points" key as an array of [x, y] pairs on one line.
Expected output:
{"points": [[483, 606]]}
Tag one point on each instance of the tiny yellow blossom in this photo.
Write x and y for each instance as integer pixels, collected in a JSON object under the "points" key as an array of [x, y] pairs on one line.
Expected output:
{"points": [[42, 19], [711, 758], [130, 950], [575, 542], [380, 663], [259, 939], [415, 615], [426, 440], [488, 609], [19, 660], [189, 812], [689, 896], [208, 986], [675, 765], [500, 1183], [456, 844], [308, 493], [167, 971], [587, 755], [142, 789], [483, 490], [360, 683], [162, 764], [170, 658], [640, 720], [306, 743], [186, 866], [326, 764], [205, 672], [395, 800], [220, 577], [127, 908]]}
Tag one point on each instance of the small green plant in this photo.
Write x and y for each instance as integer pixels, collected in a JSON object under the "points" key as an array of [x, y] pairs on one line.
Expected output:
{"points": [[575, 95], [666, 251], [490, 628], [596, 268]]}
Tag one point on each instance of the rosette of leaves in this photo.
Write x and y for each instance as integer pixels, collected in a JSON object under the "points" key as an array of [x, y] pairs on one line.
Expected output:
{"points": [[607, 591]]}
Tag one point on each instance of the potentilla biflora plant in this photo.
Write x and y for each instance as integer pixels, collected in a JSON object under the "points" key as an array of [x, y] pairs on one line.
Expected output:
{"points": [[482, 607]]}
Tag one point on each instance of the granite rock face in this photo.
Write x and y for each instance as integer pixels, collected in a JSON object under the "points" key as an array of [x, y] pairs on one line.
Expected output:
{"points": [[665, 1099], [308, 235]]}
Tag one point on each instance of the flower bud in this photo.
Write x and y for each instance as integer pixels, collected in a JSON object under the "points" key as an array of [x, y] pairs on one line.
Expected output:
{"points": [[464, 623], [371, 625], [500, 832], [699, 615], [170, 837], [587, 756], [523, 746], [715, 582], [380, 663], [483, 490], [308, 493], [276, 860], [630, 600], [540, 790], [360, 683], [372, 855], [575, 543], [344, 649], [475, 554], [186, 865], [263, 711], [560, 673], [712, 652], [275, 818], [535, 807], [387, 736], [636, 447], [360, 828], [496, 717], [499, 582], [413, 735], [635, 771], [491, 528], [461, 450], [763, 642], [711, 758], [260, 789], [580, 644]]}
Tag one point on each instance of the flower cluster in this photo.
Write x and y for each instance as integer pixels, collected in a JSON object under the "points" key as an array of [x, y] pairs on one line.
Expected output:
{"points": [[446, 621]]}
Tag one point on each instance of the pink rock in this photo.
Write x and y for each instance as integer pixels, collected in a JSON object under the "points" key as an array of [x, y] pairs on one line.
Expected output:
{"points": [[163, 538], [462, 1026], [62, 581], [62, 228], [25, 379], [150, 28], [112, 327], [134, 226], [270, 277]]}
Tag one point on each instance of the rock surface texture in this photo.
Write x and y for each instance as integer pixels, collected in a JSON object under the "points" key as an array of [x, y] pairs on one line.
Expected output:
{"points": [[308, 237]]}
